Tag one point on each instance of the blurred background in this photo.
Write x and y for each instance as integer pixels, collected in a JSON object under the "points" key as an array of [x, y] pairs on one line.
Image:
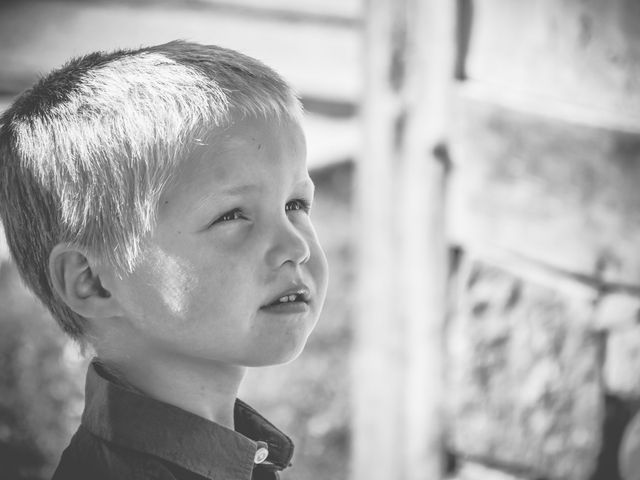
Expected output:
{"points": [[477, 171]]}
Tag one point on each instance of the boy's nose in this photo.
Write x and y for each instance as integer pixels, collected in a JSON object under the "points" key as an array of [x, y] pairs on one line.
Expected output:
{"points": [[289, 245]]}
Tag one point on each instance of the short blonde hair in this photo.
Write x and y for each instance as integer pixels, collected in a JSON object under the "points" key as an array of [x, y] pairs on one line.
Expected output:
{"points": [[87, 151]]}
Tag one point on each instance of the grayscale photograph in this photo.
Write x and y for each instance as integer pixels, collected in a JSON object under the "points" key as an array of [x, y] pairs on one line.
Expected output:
{"points": [[319, 239]]}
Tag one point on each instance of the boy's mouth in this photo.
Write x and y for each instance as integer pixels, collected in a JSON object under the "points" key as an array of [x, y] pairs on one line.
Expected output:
{"points": [[296, 295]]}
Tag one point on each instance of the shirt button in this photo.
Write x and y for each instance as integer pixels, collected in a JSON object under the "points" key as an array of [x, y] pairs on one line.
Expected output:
{"points": [[261, 454]]}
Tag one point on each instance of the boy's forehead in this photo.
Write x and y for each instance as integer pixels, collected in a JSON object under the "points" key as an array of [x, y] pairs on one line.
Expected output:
{"points": [[231, 154], [250, 129], [253, 133]]}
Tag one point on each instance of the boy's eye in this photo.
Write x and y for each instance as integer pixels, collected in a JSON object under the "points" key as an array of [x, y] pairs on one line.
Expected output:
{"points": [[298, 204], [231, 215]]}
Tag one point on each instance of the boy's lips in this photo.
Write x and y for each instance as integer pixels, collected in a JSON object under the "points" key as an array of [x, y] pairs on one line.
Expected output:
{"points": [[297, 295]]}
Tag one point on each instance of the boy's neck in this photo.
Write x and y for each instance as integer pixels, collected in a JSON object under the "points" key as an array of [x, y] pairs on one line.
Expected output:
{"points": [[204, 388]]}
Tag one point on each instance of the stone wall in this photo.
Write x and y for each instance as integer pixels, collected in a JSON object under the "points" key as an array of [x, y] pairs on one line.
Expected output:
{"points": [[544, 214]]}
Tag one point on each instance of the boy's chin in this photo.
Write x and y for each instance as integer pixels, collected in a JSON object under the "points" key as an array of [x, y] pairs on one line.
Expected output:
{"points": [[280, 357]]}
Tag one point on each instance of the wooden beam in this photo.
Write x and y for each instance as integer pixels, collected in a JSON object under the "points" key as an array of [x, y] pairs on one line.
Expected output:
{"points": [[398, 349]]}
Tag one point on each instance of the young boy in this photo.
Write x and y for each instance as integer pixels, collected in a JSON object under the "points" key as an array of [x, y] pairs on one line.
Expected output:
{"points": [[157, 201]]}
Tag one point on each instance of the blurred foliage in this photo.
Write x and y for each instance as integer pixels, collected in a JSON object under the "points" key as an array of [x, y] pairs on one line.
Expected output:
{"points": [[42, 373], [40, 389]]}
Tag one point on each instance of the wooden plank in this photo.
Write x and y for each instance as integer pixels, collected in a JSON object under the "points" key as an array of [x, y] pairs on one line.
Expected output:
{"points": [[561, 193], [4, 247], [346, 9], [330, 140], [554, 108], [581, 52], [397, 389], [311, 9], [5, 101], [320, 60]]}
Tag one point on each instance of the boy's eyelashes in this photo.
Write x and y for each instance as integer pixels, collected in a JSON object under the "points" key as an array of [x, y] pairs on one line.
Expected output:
{"points": [[235, 214], [298, 204]]}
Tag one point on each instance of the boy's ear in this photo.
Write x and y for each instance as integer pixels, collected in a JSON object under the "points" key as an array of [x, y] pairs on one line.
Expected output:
{"points": [[78, 283]]}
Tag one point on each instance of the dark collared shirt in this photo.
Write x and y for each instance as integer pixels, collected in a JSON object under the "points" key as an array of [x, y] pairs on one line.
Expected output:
{"points": [[125, 435]]}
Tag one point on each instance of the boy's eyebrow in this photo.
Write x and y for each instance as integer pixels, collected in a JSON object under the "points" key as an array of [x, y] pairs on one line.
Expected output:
{"points": [[249, 187], [235, 190], [238, 190]]}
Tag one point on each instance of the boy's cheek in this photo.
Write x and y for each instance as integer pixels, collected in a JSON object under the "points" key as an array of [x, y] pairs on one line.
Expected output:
{"points": [[160, 279], [320, 266]]}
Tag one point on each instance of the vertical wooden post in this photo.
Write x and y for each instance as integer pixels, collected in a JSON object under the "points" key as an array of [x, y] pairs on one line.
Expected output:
{"points": [[398, 390]]}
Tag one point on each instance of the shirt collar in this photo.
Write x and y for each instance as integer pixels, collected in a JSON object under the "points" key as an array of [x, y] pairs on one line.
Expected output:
{"points": [[132, 420]]}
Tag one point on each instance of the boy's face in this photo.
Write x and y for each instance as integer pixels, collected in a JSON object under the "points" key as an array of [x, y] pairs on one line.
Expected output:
{"points": [[232, 238]]}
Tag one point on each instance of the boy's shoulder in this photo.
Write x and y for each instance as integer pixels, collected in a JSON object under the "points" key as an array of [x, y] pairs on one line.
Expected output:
{"points": [[88, 456], [125, 434]]}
